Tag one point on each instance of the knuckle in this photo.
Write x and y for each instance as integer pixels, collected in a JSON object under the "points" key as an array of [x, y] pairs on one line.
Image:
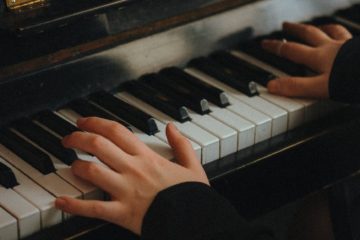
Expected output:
{"points": [[309, 30], [115, 127], [90, 121], [91, 169], [336, 27], [96, 142], [97, 209]]}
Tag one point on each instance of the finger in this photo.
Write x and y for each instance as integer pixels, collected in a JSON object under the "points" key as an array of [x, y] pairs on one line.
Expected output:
{"points": [[311, 87], [184, 152], [100, 176], [308, 33], [336, 31], [295, 52], [113, 131], [108, 211], [99, 146]]}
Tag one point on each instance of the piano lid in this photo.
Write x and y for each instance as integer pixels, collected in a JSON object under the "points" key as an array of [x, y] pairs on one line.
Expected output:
{"points": [[29, 16]]}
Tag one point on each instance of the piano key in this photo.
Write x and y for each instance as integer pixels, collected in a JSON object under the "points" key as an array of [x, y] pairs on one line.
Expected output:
{"points": [[32, 155], [51, 182], [8, 226], [263, 123], [211, 68], [254, 49], [251, 72], [45, 140], [174, 91], [278, 115], [208, 142], [226, 135], [309, 105], [86, 109], [351, 14], [27, 215], [125, 111], [158, 100], [205, 90], [7, 177], [245, 129], [154, 143], [162, 136], [60, 183], [88, 190], [55, 123], [37, 196]]}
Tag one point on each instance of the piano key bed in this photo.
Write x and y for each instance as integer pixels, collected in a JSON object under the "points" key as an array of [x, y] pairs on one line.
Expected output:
{"points": [[220, 102]]}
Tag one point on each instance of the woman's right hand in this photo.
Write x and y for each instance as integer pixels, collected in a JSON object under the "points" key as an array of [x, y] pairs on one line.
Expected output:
{"points": [[318, 53]]}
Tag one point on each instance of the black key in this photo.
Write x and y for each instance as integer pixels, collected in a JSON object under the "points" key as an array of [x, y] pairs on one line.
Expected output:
{"points": [[190, 82], [352, 14], [26, 151], [7, 177], [251, 72], [87, 109], [55, 123], [157, 100], [225, 75], [254, 49], [178, 93], [45, 140], [129, 113]]}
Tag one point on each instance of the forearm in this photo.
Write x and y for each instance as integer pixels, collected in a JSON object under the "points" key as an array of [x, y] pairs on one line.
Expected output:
{"points": [[344, 83], [194, 211]]}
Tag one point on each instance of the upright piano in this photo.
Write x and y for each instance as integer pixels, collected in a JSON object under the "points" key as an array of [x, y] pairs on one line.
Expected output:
{"points": [[145, 63]]}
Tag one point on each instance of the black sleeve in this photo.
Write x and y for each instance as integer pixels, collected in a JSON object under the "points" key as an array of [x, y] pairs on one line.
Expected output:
{"points": [[194, 211], [344, 82]]}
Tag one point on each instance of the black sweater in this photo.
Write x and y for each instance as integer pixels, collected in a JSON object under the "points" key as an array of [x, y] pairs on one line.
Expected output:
{"points": [[194, 211]]}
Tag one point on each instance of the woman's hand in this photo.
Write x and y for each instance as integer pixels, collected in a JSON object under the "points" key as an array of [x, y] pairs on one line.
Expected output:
{"points": [[135, 175], [319, 52]]}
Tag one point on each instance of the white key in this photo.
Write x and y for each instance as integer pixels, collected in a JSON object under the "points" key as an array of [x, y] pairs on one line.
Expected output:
{"points": [[37, 196], [8, 226], [210, 148], [245, 129], [226, 135], [278, 115], [296, 111], [155, 144], [51, 182], [27, 215], [162, 136], [88, 190], [262, 122]]}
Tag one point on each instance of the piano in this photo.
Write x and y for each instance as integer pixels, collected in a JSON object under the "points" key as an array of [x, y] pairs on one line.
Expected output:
{"points": [[145, 63]]}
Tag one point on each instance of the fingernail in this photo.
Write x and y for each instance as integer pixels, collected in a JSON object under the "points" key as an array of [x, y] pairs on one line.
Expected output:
{"points": [[60, 203], [273, 86], [81, 121]]}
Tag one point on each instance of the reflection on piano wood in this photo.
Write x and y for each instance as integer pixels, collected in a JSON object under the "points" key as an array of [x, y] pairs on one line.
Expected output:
{"points": [[245, 137]]}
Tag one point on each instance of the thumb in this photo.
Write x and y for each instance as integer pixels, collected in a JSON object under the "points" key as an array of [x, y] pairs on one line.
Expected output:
{"points": [[184, 152], [310, 87]]}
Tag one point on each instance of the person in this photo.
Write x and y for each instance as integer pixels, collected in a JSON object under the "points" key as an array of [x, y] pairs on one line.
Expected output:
{"points": [[159, 199]]}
